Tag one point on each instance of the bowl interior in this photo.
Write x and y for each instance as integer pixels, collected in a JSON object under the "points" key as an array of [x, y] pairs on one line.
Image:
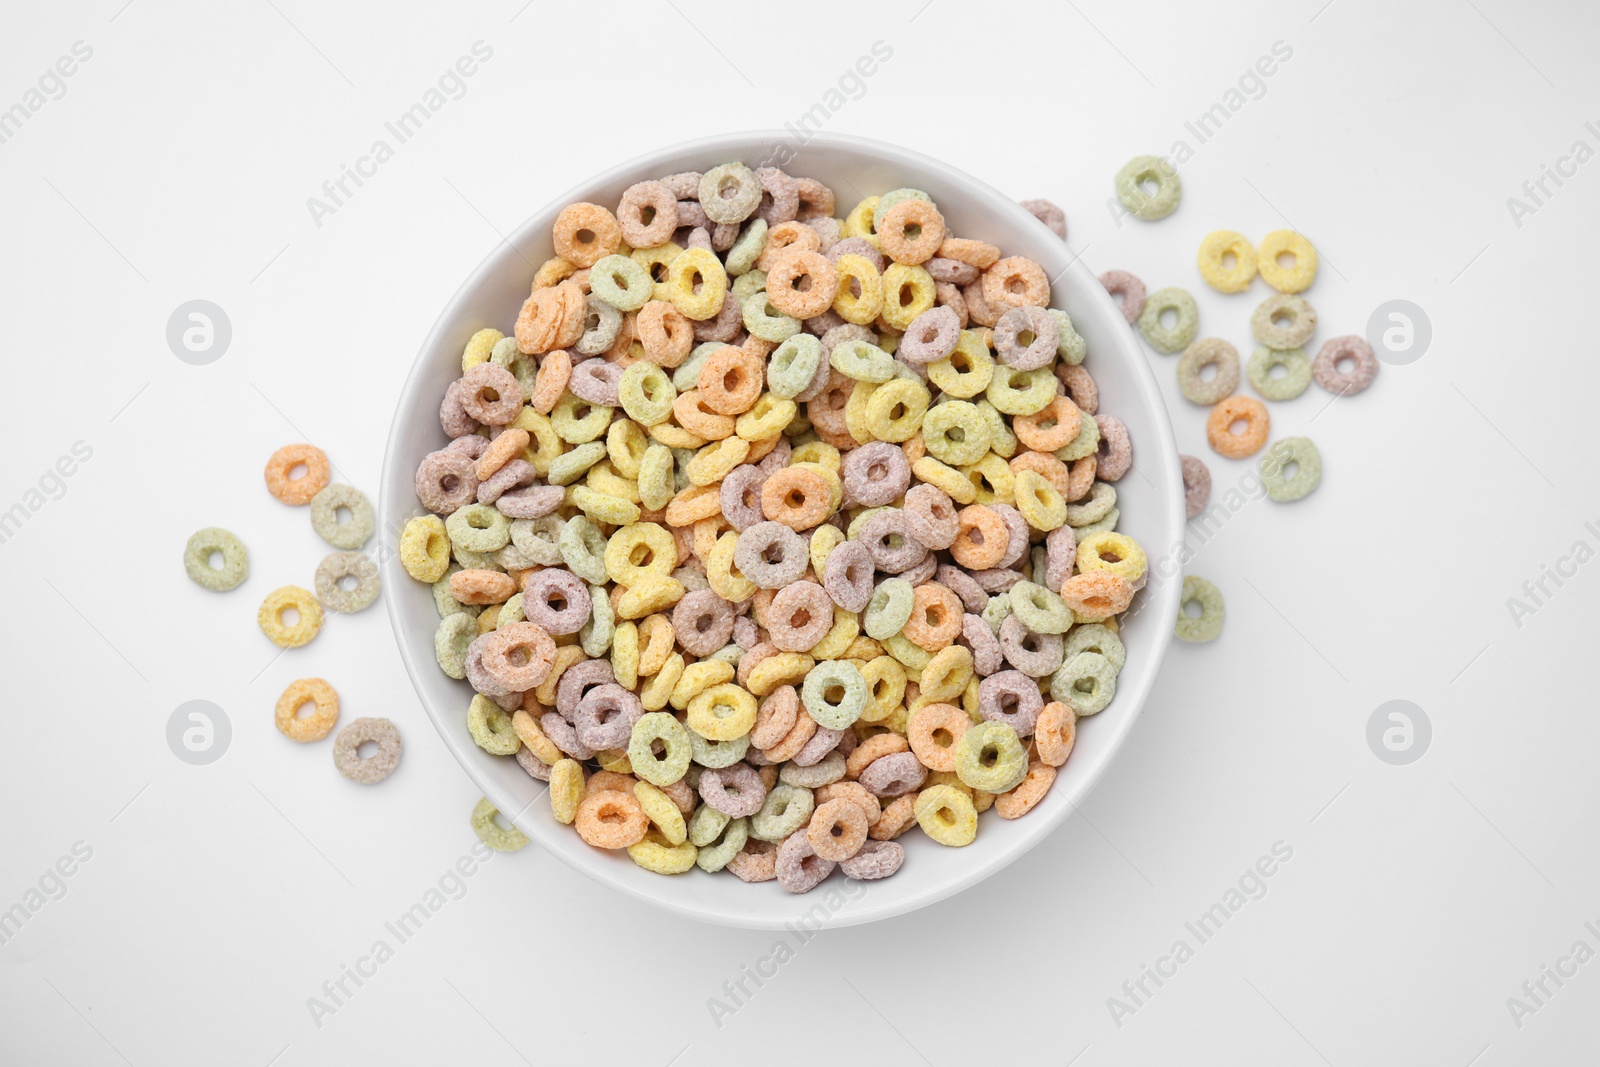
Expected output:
{"points": [[1149, 498]]}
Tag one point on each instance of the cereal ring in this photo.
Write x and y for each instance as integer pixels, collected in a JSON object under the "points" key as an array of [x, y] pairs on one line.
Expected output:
{"points": [[1086, 683], [935, 617], [797, 497], [990, 757], [1017, 802], [491, 832], [1196, 485], [931, 337], [908, 291], [786, 809], [374, 769], [585, 233], [1186, 319], [799, 869], [875, 859], [799, 616], [611, 819], [235, 559], [1132, 183], [659, 770], [1053, 427], [697, 284], [1301, 271], [1012, 698], [730, 380], [934, 730], [876, 474], [1128, 291], [518, 656], [1048, 213], [302, 603], [1015, 281], [453, 418], [1114, 454], [491, 394], [325, 508], [1027, 338], [1283, 321], [281, 480], [647, 214], [557, 601], [1299, 453], [313, 727], [1211, 352], [478, 528], [837, 829], [601, 325], [946, 815], [621, 282], [1034, 654], [1206, 625], [802, 283], [1215, 249], [664, 332], [606, 715], [771, 554], [330, 577], [893, 775], [1231, 411], [834, 694], [982, 540], [729, 193], [703, 622], [736, 791], [1095, 596], [910, 231], [1054, 732], [1335, 352], [1286, 386]]}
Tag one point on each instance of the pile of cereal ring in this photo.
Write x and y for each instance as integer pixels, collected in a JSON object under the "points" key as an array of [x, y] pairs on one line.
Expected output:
{"points": [[765, 535]]}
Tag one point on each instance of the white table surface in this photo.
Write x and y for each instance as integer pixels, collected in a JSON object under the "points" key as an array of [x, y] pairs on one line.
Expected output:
{"points": [[218, 899]]}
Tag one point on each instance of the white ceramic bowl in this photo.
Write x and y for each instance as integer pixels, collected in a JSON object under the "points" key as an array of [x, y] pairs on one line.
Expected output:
{"points": [[1150, 498]]}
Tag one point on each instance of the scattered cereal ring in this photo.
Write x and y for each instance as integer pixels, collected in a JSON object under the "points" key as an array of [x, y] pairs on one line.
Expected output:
{"points": [[1215, 248], [1144, 203], [1211, 352], [1283, 321], [491, 833], [1128, 292], [1186, 322], [1300, 453], [331, 574], [1196, 485], [313, 727], [214, 540], [1207, 625], [290, 598], [1298, 275], [1230, 412], [373, 769], [1048, 213], [1286, 386], [1339, 350], [281, 481], [350, 533]]}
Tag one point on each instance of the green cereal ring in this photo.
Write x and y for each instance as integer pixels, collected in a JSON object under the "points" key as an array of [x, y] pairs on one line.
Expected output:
{"points": [[450, 643], [676, 749], [1307, 461], [715, 855], [325, 508], [621, 282], [955, 432], [1021, 392], [479, 527], [476, 561], [863, 361], [834, 693], [991, 758], [1095, 637], [490, 727], [1002, 442], [522, 366], [646, 394], [576, 421], [1287, 386], [900, 647], [1221, 357], [687, 374], [1109, 522], [706, 825], [214, 540], [997, 610], [1283, 321], [1085, 682], [1085, 444], [786, 809], [729, 653], [491, 832], [1102, 498], [570, 466], [718, 754], [890, 199], [1174, 338], [1141, 203], [583, 550], [889, 609], [1070, 347], [747, 285], [1207, 626], [511, 611], [1040, 610], [331, 574], [595, 636], [539, 539], [741, 258], [793, 364], [729, 192], [765, 321]]}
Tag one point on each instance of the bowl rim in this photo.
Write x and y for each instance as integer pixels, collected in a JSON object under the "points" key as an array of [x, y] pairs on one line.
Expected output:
{"points": [[1161, 595]]}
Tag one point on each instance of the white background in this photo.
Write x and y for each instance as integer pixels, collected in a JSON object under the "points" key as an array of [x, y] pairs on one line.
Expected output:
{"points": [[219, 898]]}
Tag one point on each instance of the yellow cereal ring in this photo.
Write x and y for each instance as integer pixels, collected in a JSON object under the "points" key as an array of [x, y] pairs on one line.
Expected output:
{"points": [[642, 549], [697, 678], [425, 548], [545, 444], [651, 594], [604, 479], [946, 675], [479, 347], [819, 453], [911, 656], [766, 418], [967, 371], [1114, 552], [860, 296], [674, 436], [553, 271], [658, 690], [846, 627], [895, 410], [952, 481], [532, 735], [626, 445], [859, 222], [662, 811], [655, 477], [721, 713], [1298, 276], [566, 790], [270, 616], [886, 687], [824, 539], [1040, 503], [625, 654], [603, 507], [655, 262], [786, 668], [614, 760], [577, 421], [1215, 247], [697, 266], [908, 291], [657, 855], [855, 411], [566, 656], [991, 480], [947, 815], [716, 461], [725, 580]]}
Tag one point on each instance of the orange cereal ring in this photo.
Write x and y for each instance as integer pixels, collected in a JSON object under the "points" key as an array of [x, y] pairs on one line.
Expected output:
{"points": [[965, 250], [802, 284], [1081, 477], [313, 727], [804, 728], [538, 321], [982, 538], [1054, 426], [1230, 411], [699, 502], [897, 818], [798, 498], [584, 234], [871, 750], [502, 450], [933, 731], [665, 332], [1015, 281], [1097, 594], [911, 231], [482, 587], [776, 717], [281, 481], [555, 371], [693, 414], [603, 781], [935, 617], [1046, 466], [1017, 802], [786, 236], [611, 819], [1054, 732], [731, 380], [837, 830]]}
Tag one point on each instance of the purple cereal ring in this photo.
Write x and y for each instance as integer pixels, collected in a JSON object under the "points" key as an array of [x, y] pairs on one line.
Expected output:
{"points": [[1061, 553], [491, 394], [780, 196], [959, 582], [798, 867], [997, 579], [814, 751], [452, 416], [1128, 291], [931, 515], [847, 742], [1080, 386], [1337, 350], [735, 791], [703, 622], [816, 200], [888, 537], [979, 636], [746, 634], [898, 772], [848, 332], [684, 185], [576, 682], [517, 474], [950, 271], [921, 572], [595, 380], [531, 502], [556, 600], [606, 715], [948, 295], [478, 675], [1046, 212], [771, 555], [724, 325], [876, 859], [1196, 487], [564, 737], [1115, 454], [848, 577], [691, 216], [856, 246], [799, 616], [647, 214], [876, 474], [723, 234], [1019, 323], [741, 496], [472, 444], [829, 230], [931, 337], [1035, 655], [446, 480], [1010, 697], [778, 458], [817, 325], [1017, 526], [536, 767]]}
